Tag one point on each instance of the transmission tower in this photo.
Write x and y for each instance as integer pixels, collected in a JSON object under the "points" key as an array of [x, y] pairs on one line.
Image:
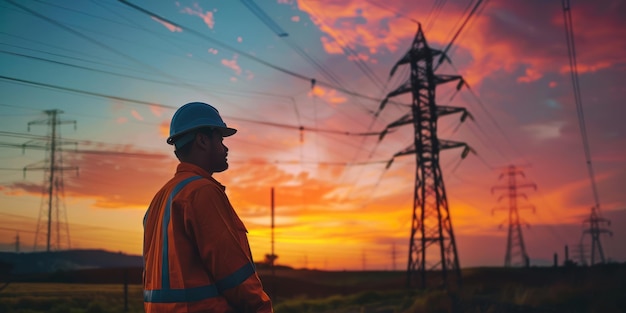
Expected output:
{"points": [[515, 248], [595, 231], [53, 188], [432, 246]]}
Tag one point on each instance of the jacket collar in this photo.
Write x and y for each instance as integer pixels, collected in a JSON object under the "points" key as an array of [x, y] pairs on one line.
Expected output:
{"points": [[188, 168]]}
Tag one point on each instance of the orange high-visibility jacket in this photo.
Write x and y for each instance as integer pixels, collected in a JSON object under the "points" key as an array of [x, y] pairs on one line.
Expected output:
{"points": [[196, 252]]}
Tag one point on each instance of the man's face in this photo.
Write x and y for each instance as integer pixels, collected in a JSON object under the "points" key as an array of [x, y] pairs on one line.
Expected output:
{"points": [[219, 152]]}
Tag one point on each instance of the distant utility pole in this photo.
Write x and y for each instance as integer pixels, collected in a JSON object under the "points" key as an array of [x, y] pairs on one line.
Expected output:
{"points": [[53, 182], [431, 227], [17, 242], [272, 257], [393, 256], [515, 241], [595, 231], [363, 259]]}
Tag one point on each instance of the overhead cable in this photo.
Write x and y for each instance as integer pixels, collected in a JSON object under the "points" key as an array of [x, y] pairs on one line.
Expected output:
{"points": [[250, 56], [456, 35], [156, 104], [571, 49]]}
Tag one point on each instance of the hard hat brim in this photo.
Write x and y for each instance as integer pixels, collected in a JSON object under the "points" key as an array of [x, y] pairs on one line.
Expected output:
{"points": [[224, 131]]}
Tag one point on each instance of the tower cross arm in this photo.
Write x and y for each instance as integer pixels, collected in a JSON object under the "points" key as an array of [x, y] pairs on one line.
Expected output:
{"points": [[443, 110], [598, 231], [404, 88], [405, 119], [449, 144], [442, 79], [404, 60], [406, 151]]}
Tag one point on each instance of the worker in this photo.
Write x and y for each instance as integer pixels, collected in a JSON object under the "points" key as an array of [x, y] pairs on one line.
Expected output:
{"points": [[196, 252]]}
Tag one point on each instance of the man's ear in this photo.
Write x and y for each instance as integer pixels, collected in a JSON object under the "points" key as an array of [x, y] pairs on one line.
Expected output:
{"points": [[203, 140]]}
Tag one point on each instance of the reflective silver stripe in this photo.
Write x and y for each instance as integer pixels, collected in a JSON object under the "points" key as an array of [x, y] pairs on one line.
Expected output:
{"points": [[180, 295], [165, 269]]}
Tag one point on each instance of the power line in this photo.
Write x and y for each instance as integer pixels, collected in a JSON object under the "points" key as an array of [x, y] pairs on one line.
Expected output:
{"points": [[348, 50], [248, 55], [82, 67], [434, 13], [95, 94], [571, 50], [388, 9], [256, 10], [102, 45], [456, 35]]}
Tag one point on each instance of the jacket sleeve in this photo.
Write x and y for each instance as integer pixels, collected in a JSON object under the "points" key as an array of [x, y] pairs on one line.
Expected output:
{"points": [[223, 246]]}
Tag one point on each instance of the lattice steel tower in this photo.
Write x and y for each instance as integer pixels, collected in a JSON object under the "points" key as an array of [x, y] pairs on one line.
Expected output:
{"points": [[595, 231], [432, 246], [515, 249], [52, 212]]}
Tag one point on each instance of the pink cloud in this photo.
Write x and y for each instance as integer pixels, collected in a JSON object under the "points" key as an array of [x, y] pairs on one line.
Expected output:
{"points": [[136, 115], [588, 68], [167, 25], [207, 17], [232, 64], [331, 46], [359, 56], [156, 110], [531, 76]]}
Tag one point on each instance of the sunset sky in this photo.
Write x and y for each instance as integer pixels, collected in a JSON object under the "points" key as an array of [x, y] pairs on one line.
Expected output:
{"points": [[121, 72]]}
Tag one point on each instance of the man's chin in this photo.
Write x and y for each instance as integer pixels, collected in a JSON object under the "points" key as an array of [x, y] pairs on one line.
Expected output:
{"points": [[221, 168]]}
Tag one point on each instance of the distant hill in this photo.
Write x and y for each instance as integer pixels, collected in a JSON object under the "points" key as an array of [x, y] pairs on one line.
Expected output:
{"points": [[68, 260]]}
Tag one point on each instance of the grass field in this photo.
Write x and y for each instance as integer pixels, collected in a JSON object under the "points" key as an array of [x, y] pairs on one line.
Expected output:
{"points": [[300, 291], [69, 298]]}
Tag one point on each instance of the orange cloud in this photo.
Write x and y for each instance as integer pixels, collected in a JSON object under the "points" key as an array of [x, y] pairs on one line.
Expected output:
{"points": [[495, 40], [329, 95], [164, 129], [122, 178]]}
